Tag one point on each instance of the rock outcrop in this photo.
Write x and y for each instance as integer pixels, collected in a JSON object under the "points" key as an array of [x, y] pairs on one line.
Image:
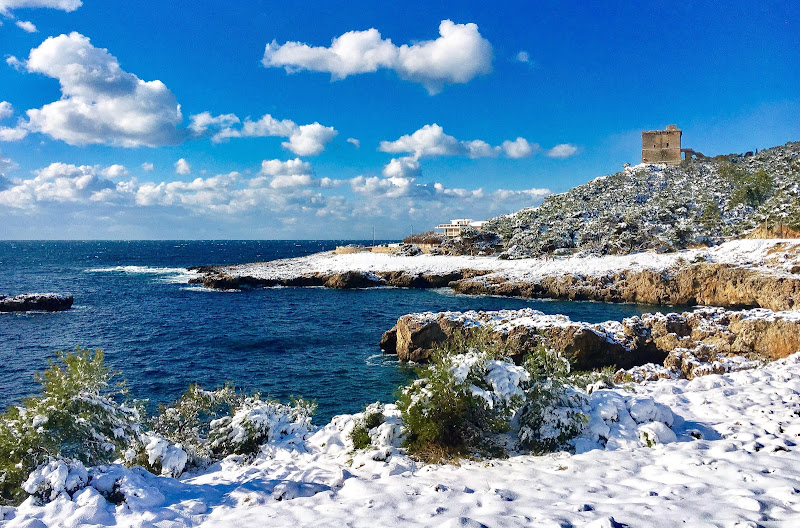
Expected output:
{"points": [[698, 284], [684, 342], [48, 302]]}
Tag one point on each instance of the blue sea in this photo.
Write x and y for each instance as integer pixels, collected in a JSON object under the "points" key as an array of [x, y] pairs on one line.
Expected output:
{"points": [[133, 300]]}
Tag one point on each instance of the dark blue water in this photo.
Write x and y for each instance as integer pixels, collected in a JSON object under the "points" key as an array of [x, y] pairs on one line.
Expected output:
{"points": [[162, 334]]}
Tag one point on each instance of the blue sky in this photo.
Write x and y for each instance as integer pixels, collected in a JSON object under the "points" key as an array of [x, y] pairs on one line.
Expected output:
{"points": [[316, 120]]}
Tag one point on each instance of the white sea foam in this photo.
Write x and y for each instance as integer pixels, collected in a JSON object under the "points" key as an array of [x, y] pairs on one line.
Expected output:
{"points": [[169, 275]]}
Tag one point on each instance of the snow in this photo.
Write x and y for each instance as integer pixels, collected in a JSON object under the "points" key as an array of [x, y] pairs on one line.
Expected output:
{"points": [[773, 256], [733, 459]]}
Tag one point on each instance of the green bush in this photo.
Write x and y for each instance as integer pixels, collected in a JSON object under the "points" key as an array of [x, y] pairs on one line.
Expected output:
{"points": [[444, 418], [255, 422], [79, 415], [187, 422], [371, 418], [550, 416], [748, 189]]}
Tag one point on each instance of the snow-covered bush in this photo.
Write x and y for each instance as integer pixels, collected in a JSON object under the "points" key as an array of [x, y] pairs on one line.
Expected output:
{"points": [[463, 399], [78, 416], [209, 425], [55, 477], [371, 419], [551, 415], [256, 422], [187, 423]]}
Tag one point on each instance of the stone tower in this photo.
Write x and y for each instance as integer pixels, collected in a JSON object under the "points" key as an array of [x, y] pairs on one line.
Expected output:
{"points": [[662, 146]]}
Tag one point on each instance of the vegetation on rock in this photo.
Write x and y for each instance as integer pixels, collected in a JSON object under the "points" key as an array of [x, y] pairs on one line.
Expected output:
{"points": [[661, 207]]}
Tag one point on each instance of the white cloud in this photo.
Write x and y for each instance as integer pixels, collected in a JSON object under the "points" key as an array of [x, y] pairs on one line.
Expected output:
{"points": [[353, 141], [58, 182], [115, 171], [6, 166], [277, 167], [6, 110], [15, 63], [100, 102], [304, 140], [182, 167], [147, 166], [200, 123], [431, 140], [310, 140], [405, 167], [522, 56], [10, 133], [6, 6], [457, 56], [519, 148], [564, 150], [26, 26]]}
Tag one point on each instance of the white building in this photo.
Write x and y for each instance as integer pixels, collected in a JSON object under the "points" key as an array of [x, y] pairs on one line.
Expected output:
{"points": [[453, 229]]}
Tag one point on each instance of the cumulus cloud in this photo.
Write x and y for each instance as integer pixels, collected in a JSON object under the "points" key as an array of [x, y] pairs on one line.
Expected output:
{"points": [[303, 140], [522, 56], [277, 167], [58, 182], [115, 171], [182, 167], [353, 141], [6, 6], [10, 133], [147, 166], [200, 123], [519, 148], [405, 167], [564, 150], [457, 56], [100, 102], [6, 110], [26, 26], [431, 140]]}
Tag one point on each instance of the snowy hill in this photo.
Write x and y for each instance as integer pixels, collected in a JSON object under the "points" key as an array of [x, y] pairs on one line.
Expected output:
{"points": [[662, 207]]}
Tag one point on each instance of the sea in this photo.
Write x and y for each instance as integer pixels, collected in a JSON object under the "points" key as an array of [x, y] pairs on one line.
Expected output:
{"points": [[161, 334]]}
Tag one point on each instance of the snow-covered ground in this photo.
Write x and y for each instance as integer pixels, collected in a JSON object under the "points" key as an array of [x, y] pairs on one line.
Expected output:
{"points": [[774, 256], [733, 462]]}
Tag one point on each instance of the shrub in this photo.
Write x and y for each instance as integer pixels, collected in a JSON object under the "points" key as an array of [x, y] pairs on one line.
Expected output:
{"points": [[428, 237], [256, 422], [209, 425], [751, 189], [550, 416], [187, 422], [371, 418], [454, 408], [78, 416]]}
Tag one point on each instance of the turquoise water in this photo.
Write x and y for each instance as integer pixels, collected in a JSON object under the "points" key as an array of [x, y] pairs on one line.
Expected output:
{"points": [[162, 334]]}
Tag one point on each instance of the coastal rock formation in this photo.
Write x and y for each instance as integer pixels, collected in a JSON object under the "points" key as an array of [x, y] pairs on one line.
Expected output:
{"points": [[49, 302], [702, 284], [683, 342], [215, 278]]}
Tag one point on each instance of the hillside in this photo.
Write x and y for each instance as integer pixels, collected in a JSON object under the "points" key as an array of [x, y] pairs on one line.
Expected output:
{"points": [[661, 207]]}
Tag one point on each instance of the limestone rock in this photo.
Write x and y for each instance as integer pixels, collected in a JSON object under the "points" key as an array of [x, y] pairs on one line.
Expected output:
{"points": [[49, 302]]}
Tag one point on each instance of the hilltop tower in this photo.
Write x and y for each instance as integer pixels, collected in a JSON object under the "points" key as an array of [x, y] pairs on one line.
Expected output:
{"points": [[662, 146]]}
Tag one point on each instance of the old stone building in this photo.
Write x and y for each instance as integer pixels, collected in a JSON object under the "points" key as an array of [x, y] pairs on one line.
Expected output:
{"points": [[662, 146]]}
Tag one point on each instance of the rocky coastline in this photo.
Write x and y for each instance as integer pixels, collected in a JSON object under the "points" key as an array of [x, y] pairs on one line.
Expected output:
{"points": [[48, 302], [651, 346]]}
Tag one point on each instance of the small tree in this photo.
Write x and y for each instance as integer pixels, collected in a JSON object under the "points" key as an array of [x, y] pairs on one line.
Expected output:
{"points": [[80, 415]]}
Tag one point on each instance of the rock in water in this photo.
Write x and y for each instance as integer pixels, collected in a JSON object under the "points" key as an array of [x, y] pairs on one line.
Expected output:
{"points": [[49, 302]]}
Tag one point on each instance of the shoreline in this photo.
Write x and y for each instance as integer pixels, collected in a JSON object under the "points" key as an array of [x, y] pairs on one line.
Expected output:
{"points": [[748, 273]]}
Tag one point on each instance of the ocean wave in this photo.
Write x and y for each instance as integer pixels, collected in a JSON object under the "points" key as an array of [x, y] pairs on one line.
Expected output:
{"points": [[168, 275]]}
